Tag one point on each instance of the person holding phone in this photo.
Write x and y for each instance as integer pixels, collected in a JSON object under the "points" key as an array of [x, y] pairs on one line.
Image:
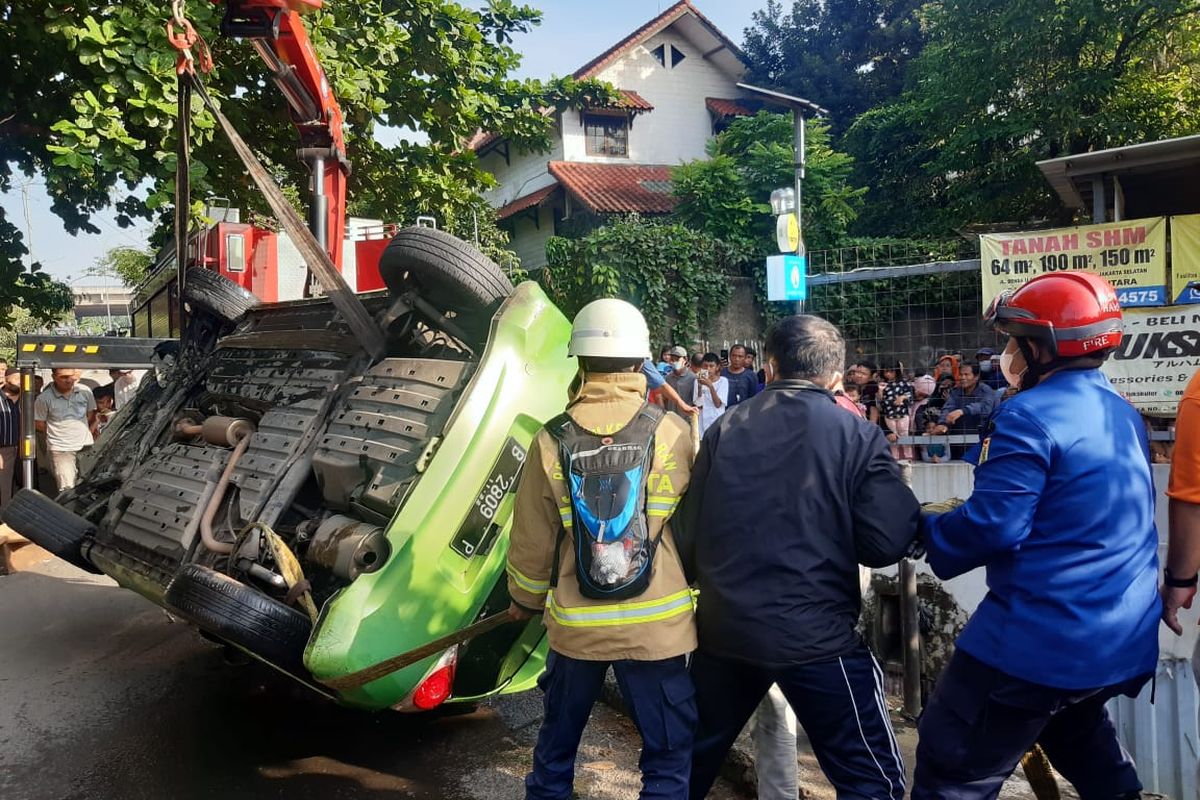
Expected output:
{"points": [[711, 393]]}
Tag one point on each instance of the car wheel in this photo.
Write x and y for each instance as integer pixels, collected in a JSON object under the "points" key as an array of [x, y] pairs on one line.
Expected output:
{"points": [[217, 295], [448, 273], [50, 526], [240, 615]]}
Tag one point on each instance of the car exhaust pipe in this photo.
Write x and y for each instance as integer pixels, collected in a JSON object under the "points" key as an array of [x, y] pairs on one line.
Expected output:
{"points": [[224, 432]]}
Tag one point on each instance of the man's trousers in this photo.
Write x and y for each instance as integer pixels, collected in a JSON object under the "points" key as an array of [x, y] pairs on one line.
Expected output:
{"points": [[839, 703], [660, 699], [981, 721]]}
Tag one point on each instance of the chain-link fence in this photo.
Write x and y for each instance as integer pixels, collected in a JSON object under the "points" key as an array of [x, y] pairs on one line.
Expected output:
{"points": [[911, 302]]}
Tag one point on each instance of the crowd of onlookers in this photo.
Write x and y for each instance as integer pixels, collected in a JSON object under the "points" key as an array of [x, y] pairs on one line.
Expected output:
{"points": [[952, 397], [69, 413]]}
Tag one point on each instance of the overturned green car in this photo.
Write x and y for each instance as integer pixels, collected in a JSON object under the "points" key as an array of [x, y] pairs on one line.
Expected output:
{"points": [[317, 508]]}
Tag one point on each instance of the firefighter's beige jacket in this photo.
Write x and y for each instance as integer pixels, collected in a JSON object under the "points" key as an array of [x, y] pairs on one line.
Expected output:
{"points": [[658, 624]]}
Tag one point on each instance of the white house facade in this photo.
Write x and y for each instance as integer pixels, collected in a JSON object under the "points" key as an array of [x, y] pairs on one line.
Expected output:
{"points": [[677, 79]]}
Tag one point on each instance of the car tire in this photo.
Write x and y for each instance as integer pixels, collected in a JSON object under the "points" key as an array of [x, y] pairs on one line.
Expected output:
{"points": [[217, 295], [50, 526], [240, 615], [450, 274]]}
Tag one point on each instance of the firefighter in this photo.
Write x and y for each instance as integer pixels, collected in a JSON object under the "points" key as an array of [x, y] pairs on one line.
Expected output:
{"points": [[1062, 518], [591, 550]]}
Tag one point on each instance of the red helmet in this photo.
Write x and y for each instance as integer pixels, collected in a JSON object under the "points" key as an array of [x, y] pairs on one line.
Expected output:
{"points": [[1074, 313]]}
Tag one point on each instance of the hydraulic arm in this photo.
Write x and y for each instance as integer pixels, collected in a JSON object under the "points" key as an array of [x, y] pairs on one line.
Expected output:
{"points": [[276, 30]]}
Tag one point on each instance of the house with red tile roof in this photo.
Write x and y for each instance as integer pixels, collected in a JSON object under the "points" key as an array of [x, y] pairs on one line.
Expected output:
{"points": [[676, 78]]}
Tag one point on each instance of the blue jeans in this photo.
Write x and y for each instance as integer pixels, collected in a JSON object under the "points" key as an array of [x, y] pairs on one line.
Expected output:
{"points": [[661, 700]]}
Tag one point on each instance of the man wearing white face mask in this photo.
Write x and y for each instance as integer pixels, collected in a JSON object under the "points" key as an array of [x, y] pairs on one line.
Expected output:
{"points": [[1062, 518]]}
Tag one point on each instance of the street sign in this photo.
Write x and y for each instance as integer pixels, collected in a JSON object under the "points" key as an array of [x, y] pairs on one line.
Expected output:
{"points": [[787, 233], [787, 277]]}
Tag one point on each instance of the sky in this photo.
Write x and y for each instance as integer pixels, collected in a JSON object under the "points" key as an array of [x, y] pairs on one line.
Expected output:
{"points": [[572, 32]]}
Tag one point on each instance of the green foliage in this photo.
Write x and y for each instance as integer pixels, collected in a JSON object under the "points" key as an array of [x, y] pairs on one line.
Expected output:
{"points": [[727, 196], [1000, 86], [678, 277], [26, 292], [127, 263], [844, 55], [89, 100]]}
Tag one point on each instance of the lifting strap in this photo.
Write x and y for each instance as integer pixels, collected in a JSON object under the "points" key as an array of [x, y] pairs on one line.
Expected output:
{"points": [[356, 680], [362, 325], [183, 37], [183, 191]]}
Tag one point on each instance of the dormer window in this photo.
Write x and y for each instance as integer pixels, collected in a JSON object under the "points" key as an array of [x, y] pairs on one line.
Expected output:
{"points": [[606, 134]]}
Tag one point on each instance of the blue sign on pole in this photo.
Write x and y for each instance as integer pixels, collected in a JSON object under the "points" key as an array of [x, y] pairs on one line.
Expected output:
{"points": [[787, 278]]}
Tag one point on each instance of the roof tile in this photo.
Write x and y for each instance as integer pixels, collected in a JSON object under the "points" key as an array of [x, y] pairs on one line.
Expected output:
{"points": [[617, 188], [528, 201], [728, 108]]}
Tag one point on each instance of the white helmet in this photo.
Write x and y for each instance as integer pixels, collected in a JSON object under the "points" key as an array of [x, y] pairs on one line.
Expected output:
{"points": [[609, 328]]}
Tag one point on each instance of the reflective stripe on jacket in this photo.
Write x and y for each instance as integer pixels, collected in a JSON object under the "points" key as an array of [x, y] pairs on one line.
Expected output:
{"points": [[659, 623]]}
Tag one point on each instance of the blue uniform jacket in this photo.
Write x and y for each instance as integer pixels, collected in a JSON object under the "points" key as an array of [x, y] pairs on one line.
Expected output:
{"points": [[1062, 516]]}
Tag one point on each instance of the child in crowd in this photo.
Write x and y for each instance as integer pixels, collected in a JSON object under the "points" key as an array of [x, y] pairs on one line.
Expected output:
{"points": [[923, 388], [933, 453], [854, 395], [105, 406], [895, 404]]}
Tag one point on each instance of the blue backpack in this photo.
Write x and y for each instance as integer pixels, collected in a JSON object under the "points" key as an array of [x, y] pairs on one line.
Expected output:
{"points": [[606, 479]]}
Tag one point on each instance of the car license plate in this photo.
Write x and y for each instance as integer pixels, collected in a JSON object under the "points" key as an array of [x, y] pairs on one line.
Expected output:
{"points": [[479, 528]]}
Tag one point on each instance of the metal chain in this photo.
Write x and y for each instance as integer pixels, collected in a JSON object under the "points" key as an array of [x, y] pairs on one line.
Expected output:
{"points": [[177, 15]]}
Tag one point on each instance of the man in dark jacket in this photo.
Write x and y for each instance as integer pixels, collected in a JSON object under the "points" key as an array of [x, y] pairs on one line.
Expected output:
{"points": [[779, 591]]}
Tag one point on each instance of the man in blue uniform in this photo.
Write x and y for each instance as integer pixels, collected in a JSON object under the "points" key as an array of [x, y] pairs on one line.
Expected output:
{"points": [[1062, 517]]}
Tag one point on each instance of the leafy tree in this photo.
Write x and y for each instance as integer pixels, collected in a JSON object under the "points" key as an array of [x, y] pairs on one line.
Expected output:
{"points": [[845, 55], [27, 291], [726, 196], [89, 101], [679, 278], [1002, 85], [127, 263]]}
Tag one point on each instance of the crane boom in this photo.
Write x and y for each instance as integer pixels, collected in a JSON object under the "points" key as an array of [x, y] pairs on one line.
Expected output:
{"points": [[276, 30]]}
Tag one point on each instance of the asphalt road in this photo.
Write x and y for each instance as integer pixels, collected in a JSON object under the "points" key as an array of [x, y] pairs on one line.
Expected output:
{"points": [[103, 696]]}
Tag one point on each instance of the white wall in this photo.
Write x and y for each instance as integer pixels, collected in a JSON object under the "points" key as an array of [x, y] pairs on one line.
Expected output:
{"points": [[526, 173], [679, 126], [529, 240]]}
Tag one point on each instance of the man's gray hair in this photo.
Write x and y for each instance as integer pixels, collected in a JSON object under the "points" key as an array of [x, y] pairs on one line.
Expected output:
{"points": [[806, 347]]}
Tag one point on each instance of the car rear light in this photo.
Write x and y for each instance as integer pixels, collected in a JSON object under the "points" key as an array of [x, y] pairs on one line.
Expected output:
{"points": [[435, 688]]}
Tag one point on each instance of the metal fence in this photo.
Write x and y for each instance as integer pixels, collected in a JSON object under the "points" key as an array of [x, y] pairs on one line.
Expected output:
{"points": [[913, 302]]}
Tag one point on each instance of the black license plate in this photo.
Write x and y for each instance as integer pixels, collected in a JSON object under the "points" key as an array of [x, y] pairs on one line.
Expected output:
{"points": [[478, 531]]}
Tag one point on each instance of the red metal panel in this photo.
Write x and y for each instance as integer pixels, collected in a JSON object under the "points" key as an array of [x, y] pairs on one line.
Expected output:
{"points": [[264, 266], [367, 254]]}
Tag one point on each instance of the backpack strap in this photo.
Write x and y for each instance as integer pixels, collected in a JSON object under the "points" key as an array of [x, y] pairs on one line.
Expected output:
{"points": [[557, 428]]}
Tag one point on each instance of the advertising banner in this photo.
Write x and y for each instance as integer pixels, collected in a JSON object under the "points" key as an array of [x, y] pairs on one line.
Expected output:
{"points": [[1132, 255], [1158, 356], [1185, 258]]}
